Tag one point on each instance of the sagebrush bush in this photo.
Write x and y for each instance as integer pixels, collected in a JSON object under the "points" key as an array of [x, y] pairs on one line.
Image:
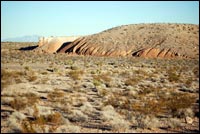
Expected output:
{"points": [[55, 94], [76, 74], [41, 123], [24, 100]]}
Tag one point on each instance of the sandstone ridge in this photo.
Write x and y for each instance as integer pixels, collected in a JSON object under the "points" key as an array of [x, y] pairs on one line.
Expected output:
{"points": [[138, 40], [52, 44], [141, 40]]}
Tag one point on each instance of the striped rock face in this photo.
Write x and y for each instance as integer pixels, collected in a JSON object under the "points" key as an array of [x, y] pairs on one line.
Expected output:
{"points": [[158, 53], [140, 40], [52, 44]]}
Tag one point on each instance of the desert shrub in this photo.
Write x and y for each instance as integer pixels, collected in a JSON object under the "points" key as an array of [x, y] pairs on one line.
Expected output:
{"points": [[101, 78], [76, 74], [99, 63], [92, 72], [146, 121], [173, 122], [173, 76], [9, 77], [178, 101], [156, 106], [131, 81], [105, 77], [102, 92], [32, 78], [30, 75], [125, 74], [74, 68], [184, 112], [27, 68], [141, 72], [114, 119], [18, 104], [44, 73], [117, 100], [39, 122], [69, 62], [188, 82], [55, 94], [27, 127], [97, 82], [31, 98], [23, 101]]}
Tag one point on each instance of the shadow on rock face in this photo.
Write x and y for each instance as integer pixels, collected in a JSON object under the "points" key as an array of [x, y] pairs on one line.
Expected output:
{"points": [[28, 48], [61, 49]]}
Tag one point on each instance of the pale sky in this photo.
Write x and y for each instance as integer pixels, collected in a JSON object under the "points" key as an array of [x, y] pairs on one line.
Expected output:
{"points": [[67, 18]]}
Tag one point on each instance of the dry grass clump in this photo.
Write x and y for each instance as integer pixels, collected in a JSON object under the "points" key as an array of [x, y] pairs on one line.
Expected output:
{"points": [[173, 77], [101, 78], [114, 119], [41, 123], [9, 77], [102, 92], [143, 121], [124, 74], [32, 78], [173, 74], [30, 75], [76, 74], [97, 82], [69, 62], [77, 116], [18, 103], [141, 72], [133, 78], [23, 101], [56, 94], [188, 81], [44, 73], [27, 68], [132, 81], [117, 100]]}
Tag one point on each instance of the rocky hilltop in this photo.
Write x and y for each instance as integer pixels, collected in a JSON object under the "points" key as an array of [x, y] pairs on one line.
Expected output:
{"points": [[141, 40]]}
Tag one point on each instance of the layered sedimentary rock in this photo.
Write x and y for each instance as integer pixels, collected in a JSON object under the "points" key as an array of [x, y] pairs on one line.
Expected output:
{"points": [[158, 53], [52, 44], [142, 40]]}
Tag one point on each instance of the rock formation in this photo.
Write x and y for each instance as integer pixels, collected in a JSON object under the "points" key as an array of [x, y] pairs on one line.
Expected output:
{"points": [[52, 44], [142, 40]]}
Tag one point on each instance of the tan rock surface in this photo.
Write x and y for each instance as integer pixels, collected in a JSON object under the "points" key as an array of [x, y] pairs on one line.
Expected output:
{"points": [[52, 44]]}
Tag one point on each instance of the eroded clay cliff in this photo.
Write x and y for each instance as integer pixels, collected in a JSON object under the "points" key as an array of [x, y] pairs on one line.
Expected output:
{"points": [[142, 40]]}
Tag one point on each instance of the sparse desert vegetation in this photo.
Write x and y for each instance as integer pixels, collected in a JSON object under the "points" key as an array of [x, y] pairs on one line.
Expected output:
{"points": [[74, 93]]}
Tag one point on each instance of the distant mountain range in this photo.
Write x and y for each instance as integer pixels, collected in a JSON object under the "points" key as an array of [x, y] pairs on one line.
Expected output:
{"points": [[32, 38]]}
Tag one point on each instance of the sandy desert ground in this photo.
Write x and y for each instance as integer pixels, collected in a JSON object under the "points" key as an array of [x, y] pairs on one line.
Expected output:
{"points": [[71, 93]]}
